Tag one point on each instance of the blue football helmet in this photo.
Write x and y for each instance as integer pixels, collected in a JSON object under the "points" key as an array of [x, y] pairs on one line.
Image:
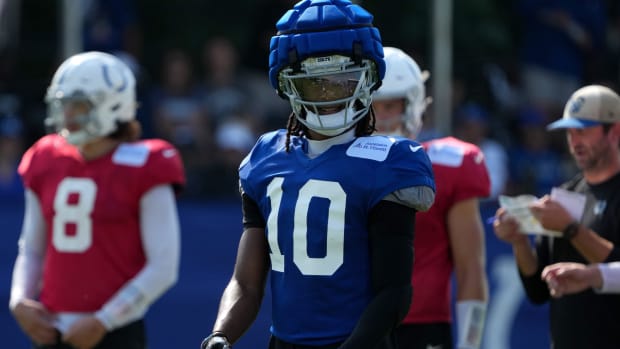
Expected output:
{"points": [[327, 59]]}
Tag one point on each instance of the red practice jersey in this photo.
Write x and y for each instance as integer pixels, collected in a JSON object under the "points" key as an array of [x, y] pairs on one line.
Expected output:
{"points": [[92, 215], [460, 174]]}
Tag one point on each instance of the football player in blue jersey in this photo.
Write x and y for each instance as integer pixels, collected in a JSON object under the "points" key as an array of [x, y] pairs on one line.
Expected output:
{"points": [[328, 210]]}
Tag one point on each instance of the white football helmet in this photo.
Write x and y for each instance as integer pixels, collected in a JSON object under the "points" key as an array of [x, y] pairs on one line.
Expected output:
{"points": [[329, 82], [101, 80], [404, 79]]}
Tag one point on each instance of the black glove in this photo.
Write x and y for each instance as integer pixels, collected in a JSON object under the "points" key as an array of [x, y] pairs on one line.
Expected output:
{"points": [[216, 340]]}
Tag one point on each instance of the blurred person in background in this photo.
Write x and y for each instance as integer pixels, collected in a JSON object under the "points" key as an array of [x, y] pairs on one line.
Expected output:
{"points": [[101, 239], [448, 237], [560, 42], [11, 149], [535, 166], [473, 125], [12, 142], [226, 84], [234, 138], [178, 113], [591, 120], [335, 242], [112, 26]]}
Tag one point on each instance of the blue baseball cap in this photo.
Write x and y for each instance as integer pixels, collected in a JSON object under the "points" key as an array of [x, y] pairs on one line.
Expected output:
{"points": [[589, 106]]}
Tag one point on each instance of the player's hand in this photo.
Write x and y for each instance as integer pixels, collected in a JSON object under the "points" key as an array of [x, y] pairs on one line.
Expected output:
{"points": [[35, 321], [85, 333], [567, 278], [215, 341], [551, 214], [506, 228]]}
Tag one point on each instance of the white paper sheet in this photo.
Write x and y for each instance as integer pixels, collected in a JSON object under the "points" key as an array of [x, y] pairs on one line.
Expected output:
{"points": [[573, 202], [517, 206]]}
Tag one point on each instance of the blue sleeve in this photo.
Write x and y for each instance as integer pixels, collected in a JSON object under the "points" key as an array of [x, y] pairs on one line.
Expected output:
{"points": [[266, 143], [407, 166]]}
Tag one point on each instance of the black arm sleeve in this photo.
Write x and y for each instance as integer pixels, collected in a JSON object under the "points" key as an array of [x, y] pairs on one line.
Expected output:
{"points": [[252, 217], [390, 228], [535, 288]]}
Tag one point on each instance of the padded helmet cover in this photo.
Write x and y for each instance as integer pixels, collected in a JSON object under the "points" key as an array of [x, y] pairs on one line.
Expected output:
{"points": [[324, 27]]}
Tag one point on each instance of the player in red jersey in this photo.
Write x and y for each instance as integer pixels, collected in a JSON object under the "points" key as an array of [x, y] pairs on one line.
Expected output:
{"points": [[450, 236], [101, 239]]}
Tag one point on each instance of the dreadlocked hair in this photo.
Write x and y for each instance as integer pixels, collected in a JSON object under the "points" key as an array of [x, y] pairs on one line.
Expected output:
{"points": [[293, 128], [364, 127]]}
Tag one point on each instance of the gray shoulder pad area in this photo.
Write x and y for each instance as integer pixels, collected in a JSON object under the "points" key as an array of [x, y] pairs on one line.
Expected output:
{"points": [[420, 198]]}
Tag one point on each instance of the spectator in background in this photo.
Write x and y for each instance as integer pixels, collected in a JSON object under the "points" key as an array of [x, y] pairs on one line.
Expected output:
{"points": [[260, 30], [178, 114], [234, 139], [473, 126], [535, 167], [225, 85], [268, 106], [558, 40], [591, 120], [112, 26], [100, 240], [11, 149]]}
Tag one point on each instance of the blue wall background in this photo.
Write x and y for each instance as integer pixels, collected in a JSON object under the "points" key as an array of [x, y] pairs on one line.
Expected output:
{"points": [[210, 233]]}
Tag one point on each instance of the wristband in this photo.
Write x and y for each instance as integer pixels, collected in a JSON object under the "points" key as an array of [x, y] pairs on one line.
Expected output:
{"points": [[571, 230], [470, 315]]}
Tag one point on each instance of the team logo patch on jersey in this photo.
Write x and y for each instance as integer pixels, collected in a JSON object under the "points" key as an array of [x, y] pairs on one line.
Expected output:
{"points": [[373, 148], [134, 155], [445, 154]]}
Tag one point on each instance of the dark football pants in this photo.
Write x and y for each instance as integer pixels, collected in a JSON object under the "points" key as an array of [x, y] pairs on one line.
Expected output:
{"points": [[276, 343], [424, 336], [132, 336]]}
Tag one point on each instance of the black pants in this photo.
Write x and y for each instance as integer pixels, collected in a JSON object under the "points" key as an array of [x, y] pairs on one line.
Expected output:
{"points": [[424, 336], [276, 343], [131, 336]]}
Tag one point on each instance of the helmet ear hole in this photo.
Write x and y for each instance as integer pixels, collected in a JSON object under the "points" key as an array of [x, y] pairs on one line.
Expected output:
{"points": [[357, 53], [293, 58]]}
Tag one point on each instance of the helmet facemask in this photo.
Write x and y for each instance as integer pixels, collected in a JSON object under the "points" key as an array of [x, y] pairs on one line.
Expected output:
{"points": [[78, 128], [329, 94]]}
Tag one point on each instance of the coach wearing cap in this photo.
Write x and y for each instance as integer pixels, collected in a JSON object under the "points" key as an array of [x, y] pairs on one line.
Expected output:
{"points": [[589, 318]]}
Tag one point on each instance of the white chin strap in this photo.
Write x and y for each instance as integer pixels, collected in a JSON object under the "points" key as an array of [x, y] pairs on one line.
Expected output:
{"points": [[330, 124]]}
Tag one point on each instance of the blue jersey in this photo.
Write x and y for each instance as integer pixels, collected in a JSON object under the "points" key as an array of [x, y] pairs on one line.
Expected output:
{"points": [[316, 212]]}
